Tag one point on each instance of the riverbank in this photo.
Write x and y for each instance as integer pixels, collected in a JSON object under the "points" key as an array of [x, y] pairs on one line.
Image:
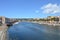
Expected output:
{"points": [[50, 24], [47, 23], [3, 34]]}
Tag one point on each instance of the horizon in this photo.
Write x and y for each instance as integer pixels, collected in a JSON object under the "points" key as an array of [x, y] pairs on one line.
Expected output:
{"points": [[29, 8], [28, 18]]}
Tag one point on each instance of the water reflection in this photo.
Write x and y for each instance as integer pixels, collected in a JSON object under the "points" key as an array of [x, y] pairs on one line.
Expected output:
{"points": [[33, 31]]}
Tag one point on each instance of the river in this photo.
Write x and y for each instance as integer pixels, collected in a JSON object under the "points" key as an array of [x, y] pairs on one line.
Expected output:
{"points": [[33, 31]]}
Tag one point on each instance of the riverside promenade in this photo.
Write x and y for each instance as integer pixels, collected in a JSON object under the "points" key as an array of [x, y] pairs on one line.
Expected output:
{"points": [[51, 24], [47, 23], [3, 32]]}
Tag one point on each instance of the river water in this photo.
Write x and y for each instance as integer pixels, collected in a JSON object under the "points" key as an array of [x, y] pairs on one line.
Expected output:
{"points": [[33, 31]]}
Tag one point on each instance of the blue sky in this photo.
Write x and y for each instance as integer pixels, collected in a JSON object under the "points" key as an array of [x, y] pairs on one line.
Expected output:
{"points": [[29, 8]]}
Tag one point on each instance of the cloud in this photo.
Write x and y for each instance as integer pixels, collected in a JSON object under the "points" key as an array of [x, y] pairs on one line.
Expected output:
{"points": [[51, 8]]}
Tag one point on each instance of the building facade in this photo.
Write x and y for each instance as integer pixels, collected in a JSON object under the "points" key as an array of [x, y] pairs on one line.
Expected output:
{"points": [[2, 19]]}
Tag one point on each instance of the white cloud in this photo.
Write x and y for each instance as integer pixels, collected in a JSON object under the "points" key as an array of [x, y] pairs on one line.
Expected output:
{"points": [[51, 8]]}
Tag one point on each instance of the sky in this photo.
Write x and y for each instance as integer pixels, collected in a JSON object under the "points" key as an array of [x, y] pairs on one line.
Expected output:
{"points": [[29, 8]]}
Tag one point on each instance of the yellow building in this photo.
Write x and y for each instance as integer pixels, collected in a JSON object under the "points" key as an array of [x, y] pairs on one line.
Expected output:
{"points": [[53, 19]]}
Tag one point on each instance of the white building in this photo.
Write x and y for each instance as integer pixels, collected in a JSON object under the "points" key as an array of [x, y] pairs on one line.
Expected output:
{"points": [[2, 19], [59, 18]]}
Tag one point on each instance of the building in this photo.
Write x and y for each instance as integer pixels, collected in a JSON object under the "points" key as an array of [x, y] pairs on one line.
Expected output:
{"points": [[53, 19], [2, 19], [59, 18]]}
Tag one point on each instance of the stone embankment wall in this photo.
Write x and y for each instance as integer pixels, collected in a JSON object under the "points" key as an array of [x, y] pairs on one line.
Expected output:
{"points": [[3, 32]]}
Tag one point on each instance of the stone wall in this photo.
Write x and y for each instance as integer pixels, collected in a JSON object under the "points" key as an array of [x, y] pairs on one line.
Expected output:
{"points": [[3, 33]]}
